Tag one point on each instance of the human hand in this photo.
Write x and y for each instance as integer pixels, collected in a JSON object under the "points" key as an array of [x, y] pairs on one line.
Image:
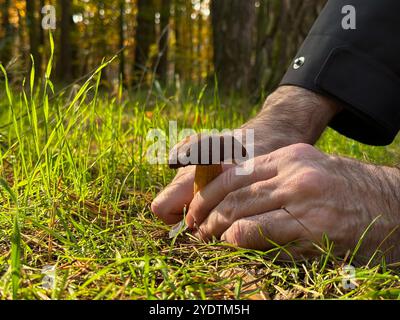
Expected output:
{"points": [[290, 115], [299, 194]]}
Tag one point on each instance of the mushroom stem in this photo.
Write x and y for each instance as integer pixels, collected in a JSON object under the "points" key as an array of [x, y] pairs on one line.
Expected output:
{"points": [[205, 174]]}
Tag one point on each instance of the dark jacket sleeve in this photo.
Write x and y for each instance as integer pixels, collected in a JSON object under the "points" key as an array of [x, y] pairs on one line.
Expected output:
{"points": [[360, 68]]}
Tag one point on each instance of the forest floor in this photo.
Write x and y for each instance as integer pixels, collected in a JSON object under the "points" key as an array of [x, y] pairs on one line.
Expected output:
{"points": [[75, 196]]}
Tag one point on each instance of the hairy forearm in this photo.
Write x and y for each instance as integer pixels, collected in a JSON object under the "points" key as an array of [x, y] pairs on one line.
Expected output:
{"points": [[291, 115], [387, 207], [376, 194]]}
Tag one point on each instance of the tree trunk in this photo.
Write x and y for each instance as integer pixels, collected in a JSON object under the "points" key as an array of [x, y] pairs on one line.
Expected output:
{"points": [[199, 45], [42, 40], [5, 52], [282, 26], [64, 67], [31, 10], [145, 37], [102, 30], [121, 40], [162, 68], [188, 27], [233, 29], [178, 49]]}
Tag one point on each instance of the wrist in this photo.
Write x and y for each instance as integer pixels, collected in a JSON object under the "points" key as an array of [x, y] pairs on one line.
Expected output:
{"points": [[291, 115], [302, 112]]}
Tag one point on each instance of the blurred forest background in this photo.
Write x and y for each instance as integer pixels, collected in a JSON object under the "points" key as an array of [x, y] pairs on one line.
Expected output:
{"points": [[247, 44]]}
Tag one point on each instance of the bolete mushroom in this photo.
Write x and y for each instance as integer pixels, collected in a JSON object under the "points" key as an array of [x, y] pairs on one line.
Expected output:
{"points": [[207, 153]]}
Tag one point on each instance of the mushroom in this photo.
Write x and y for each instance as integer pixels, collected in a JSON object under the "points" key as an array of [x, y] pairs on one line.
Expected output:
{"points": [[207, 153]]}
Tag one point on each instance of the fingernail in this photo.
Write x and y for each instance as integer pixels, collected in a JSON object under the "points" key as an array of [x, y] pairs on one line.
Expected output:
{"points": [[189, 221], [223, 238]]}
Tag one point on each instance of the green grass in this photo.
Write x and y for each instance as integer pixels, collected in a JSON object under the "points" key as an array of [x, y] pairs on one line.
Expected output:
{"points": [[75, 191]]}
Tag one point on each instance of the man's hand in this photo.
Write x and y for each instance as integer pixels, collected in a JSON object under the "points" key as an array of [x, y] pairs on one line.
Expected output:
{"points": [[298, 194], [290, 115]]}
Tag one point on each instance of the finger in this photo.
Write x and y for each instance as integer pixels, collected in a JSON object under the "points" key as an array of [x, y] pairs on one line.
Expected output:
{"points": [[257, 198], [207, 199], [169, 204], [263, 231]]}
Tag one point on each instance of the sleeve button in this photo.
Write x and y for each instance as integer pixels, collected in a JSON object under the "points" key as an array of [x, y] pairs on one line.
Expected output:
{"points": [[298, 63]]}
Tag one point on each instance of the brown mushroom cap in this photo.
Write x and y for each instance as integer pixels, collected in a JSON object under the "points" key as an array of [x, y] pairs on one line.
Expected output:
{"points": [[204, 149]]}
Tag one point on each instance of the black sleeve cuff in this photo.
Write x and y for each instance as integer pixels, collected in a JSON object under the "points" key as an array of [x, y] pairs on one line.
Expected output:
{"points": [[368, 89]]}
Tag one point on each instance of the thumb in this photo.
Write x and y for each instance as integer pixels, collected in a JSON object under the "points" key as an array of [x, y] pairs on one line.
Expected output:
{"points": [[169, 203]]}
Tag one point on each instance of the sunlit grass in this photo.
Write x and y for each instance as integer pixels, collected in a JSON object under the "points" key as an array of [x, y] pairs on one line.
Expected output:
{"points": [[76, 188]]}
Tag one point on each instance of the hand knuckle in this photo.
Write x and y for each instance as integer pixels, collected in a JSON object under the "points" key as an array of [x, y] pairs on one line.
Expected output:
{"points": [[264, 160], [227, 207], [233, 197], [309, 179], [300, 151]]}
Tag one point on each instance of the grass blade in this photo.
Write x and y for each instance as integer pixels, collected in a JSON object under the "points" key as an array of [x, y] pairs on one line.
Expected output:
{"points": [[15, 243]]}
